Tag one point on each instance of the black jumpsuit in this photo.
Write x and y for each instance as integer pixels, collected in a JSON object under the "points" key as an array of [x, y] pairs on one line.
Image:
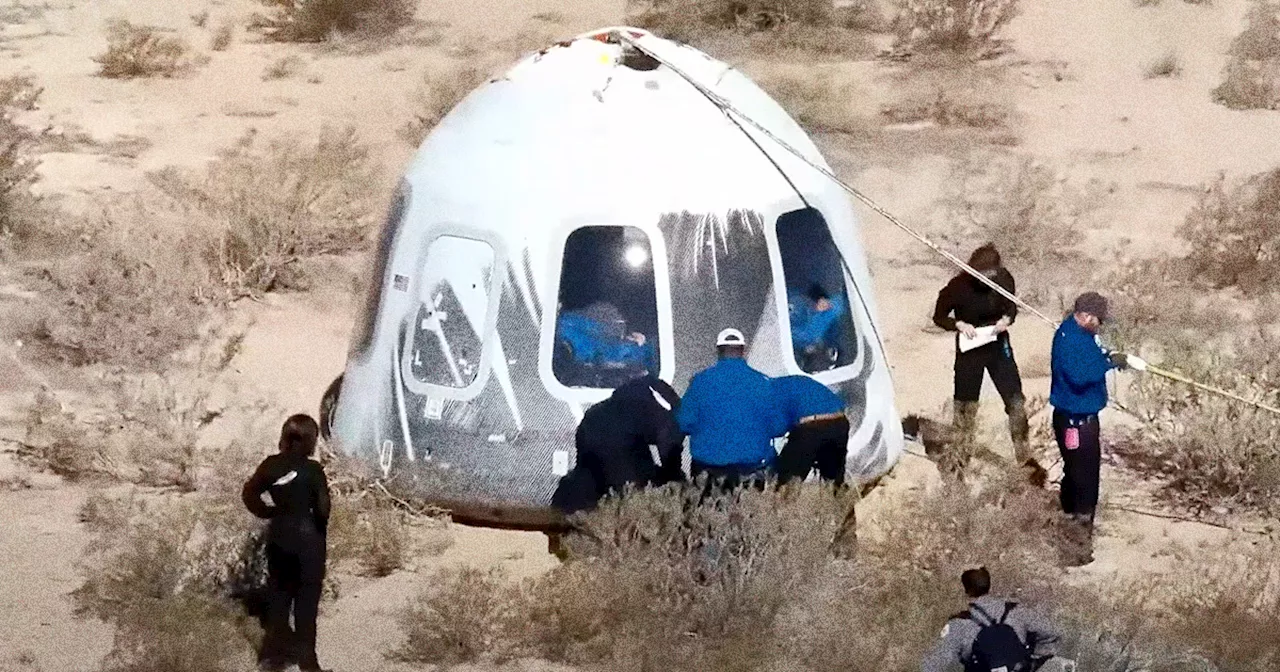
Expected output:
{"points": [[295, 553], [968, 300], [613, 442]]}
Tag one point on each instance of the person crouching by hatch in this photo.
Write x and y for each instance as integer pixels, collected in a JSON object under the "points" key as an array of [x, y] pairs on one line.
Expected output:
{"points": [[965, 305], [613, 440], [296, 541]]}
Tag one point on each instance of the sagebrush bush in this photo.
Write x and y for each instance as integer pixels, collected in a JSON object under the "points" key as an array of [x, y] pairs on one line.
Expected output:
{"points": [[267, 209], [1234, 234], [167, 576], [1211, 452], [289, 66], [817, 103], [148, 435], [952, 25], [1252, 77], [1032, 215], [1167, 65], [316, 20], [437, 95], [133, 292], [457, 619], [705, 579], [946, 109], [812, 26], [21, 211], [223, 36], [143, 51]]}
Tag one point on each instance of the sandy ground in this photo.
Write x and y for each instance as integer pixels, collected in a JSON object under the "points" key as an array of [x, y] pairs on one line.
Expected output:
{"points": [[1153, 141]]}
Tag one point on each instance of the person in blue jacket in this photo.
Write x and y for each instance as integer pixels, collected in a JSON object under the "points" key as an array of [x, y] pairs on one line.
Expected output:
{"points": [[1077, 393], [815, 324], [730, 418], [819, 430]]}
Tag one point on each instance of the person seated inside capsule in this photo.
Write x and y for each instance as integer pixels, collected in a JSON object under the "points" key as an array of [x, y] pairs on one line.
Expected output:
{"points": [[597, 336], [815, 325]]}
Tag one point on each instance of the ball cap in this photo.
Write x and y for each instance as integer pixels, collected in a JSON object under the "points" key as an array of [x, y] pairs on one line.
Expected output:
{"points": [[1094, 304], [730, 337]]}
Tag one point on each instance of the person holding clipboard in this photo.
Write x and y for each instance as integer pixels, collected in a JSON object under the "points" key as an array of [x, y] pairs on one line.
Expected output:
{"points": [[981, 319]]}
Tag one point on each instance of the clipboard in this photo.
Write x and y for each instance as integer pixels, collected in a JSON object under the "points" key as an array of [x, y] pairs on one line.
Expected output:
{"points": [[984, 336]]}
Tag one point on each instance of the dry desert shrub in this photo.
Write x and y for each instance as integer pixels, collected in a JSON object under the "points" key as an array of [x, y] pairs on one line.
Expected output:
{"points": [[22, 212], [1032, 214], [458, 618], [949, 110], [149, 435], [1252, 77], [1212, 453], [133, 292], [167, 575], [706, 580], [371, 529], [816, 102], [966, 26], [1168, 64], [285, 68], [1234, 234], [437, 95], [317, 20], [809, 26], [266, 209], [223, 36], [143, 51]]}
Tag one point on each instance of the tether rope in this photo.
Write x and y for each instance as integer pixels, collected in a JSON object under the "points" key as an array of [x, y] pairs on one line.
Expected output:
{"points": [[727, 107]]}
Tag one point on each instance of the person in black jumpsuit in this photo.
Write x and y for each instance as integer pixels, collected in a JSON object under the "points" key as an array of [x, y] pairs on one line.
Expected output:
{"points": [[299, 517], [963, 305], [613, 440]]}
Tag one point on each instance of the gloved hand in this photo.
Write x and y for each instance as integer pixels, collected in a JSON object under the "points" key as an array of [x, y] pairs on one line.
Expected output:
{"points": [[1119, 360]]}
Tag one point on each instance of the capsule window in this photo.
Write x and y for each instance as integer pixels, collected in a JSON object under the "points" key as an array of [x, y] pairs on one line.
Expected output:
{"points": [[606, 328], [453, 308], [822, 329]]}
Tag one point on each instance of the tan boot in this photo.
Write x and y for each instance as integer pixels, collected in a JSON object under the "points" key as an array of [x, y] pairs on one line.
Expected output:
{"points": [[964, 424], [1020, 435]]}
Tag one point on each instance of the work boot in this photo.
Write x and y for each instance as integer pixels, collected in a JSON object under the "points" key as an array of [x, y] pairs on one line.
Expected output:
{"points": [[964, 430], [1020, 435], [1077, 550]]}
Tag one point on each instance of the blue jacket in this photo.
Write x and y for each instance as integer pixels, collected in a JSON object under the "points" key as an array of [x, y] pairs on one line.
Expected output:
{"points": [[808, 326], [729, 415], [801, 396], [1079, 368], [593, 342]]}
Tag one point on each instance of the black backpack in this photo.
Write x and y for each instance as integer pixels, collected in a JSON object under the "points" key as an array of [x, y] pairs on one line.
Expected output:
{"points": [[997, 648]]}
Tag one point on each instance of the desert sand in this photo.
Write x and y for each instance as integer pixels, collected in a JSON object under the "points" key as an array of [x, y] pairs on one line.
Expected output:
{"points": [[1075, 76]]}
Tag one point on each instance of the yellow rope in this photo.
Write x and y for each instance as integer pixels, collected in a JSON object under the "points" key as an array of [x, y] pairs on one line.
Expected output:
{"points": [[726, 106]]}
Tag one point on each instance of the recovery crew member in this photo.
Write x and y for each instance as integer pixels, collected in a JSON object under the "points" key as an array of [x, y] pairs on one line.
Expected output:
{"points": [[613, 440], [819, 430], [993, 633], [296, 540], [731, 418], [1078, 392], [964, 305]]}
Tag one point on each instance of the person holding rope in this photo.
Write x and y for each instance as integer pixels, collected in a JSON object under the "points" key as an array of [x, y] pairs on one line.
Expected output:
{"points": [[967, 306], [1077, 393]]}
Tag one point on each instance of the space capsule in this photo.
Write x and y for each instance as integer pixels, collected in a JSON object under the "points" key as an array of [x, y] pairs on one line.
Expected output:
{"points": [[584, 216]]}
